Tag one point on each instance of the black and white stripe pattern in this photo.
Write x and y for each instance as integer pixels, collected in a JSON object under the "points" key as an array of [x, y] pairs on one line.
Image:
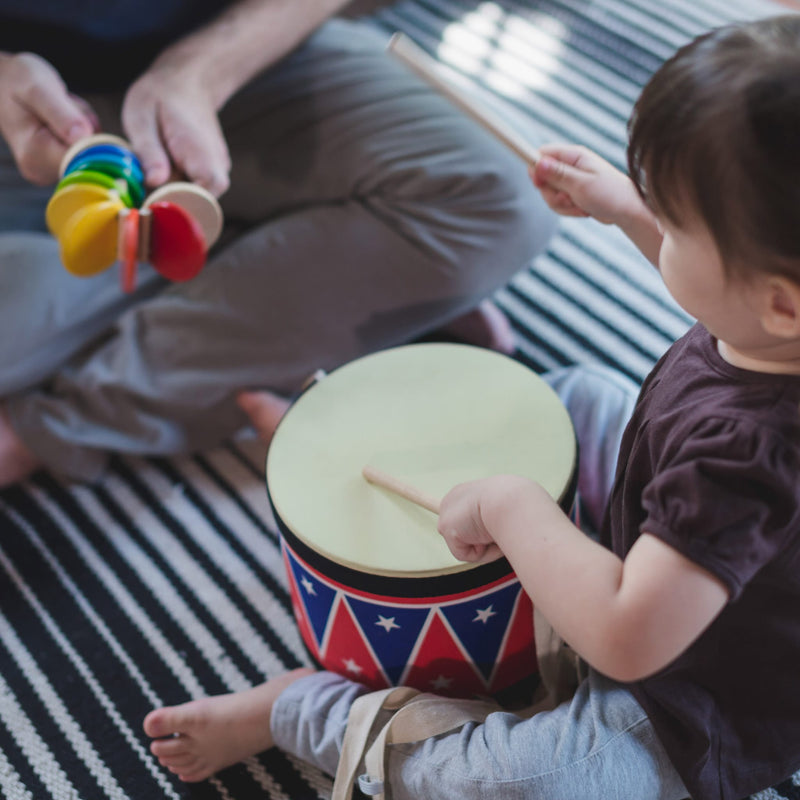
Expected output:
{"points": [[162, 584], [166, 583]]}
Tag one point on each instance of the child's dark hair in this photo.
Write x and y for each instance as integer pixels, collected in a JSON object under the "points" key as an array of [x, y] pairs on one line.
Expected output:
{"points": [[716, 134]]}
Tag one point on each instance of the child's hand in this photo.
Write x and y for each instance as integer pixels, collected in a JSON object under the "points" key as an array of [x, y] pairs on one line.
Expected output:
{"points": [[576, 182], [461, 523]]}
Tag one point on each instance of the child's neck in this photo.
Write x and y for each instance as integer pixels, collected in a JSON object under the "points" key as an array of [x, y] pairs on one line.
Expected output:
{"points": [[783, 359]]}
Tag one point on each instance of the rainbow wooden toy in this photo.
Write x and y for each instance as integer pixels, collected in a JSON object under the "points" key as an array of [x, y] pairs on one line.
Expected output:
{"points": [[100, 215]]}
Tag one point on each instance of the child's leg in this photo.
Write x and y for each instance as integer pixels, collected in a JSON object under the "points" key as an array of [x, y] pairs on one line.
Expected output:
{"points": [[600, 744], [600, 402]]}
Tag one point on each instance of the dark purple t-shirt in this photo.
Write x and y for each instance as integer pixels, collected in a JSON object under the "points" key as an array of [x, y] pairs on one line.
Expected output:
{"points": [[710, 464]]}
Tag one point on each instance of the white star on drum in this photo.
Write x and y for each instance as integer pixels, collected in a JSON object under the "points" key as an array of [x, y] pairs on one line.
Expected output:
{"points": [[307, 585], [441, 682], [387, 623], [484, 614], [351, 666]]}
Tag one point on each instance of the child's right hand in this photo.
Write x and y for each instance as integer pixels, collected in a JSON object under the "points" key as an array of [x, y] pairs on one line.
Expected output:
{"points": [[461, 523], [576, 182]]}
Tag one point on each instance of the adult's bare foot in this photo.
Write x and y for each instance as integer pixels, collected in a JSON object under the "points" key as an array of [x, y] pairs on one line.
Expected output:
{"points": [[212, 733], [485, 326], [265, 411], [16, 460]]}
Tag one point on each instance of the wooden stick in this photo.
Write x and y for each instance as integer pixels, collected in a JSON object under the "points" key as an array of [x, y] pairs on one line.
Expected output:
{"points": [[383, 479], [414, 57]]}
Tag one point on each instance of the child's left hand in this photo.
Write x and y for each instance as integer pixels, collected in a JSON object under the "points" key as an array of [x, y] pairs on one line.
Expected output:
{"points": [[461, 523]]}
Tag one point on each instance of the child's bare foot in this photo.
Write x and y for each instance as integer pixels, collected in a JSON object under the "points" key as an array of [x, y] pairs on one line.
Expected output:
{"points": [[265, 410], [484, 326], [212, 733], [16, 460]]}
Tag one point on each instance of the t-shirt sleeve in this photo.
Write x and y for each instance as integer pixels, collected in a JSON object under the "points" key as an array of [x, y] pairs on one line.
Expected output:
{"points": [[726, 499]]}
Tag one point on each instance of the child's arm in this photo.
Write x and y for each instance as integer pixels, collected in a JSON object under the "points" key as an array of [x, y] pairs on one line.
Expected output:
{"points": [[576, 182], [628, 619]]}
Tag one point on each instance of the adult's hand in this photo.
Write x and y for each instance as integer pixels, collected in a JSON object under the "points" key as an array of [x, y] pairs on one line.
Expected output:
{"points": [[170, 119], [39, 117], [170, 112]]}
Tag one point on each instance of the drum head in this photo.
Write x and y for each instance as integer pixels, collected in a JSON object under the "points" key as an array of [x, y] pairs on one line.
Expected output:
{"points": [[432, 415]]}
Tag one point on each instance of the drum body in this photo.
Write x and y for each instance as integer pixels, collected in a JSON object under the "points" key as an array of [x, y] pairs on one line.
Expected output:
{"points": [[377, 595]]}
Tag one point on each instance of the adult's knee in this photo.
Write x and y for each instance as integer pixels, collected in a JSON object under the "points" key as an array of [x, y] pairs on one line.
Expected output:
{"points": [[520, 222], [498, 222]]}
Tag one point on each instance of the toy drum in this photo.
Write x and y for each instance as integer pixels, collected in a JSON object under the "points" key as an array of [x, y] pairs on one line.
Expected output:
{"points": [[377, 595]]}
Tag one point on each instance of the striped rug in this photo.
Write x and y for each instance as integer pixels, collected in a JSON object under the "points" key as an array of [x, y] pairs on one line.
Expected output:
{"points": [[165, 582]]}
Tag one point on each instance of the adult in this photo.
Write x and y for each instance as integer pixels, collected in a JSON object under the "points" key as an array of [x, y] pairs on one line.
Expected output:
{"points": [[362, 210]]}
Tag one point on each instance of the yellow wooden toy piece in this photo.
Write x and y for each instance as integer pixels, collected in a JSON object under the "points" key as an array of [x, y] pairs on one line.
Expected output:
{"points": [[71, 199], [89, 238]]}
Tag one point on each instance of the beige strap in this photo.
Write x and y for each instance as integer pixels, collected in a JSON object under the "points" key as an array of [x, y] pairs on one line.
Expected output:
{"points": [[417, 716], [559, 665], [360, 722], [421, 716]]}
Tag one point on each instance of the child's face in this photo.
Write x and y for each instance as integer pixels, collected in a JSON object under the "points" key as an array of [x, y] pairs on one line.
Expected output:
{"points": [[693, 272]]}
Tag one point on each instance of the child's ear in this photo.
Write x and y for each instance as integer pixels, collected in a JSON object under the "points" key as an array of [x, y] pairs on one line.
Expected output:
{"points": [[781, 310]]}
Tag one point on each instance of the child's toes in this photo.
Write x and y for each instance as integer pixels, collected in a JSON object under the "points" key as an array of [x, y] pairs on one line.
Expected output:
{"points": [[179, 763], [172, 719], [186, 767], [165, 748], [159, 723], [195, 774]]}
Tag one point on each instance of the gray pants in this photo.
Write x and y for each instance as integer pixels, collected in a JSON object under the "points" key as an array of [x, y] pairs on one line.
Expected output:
{"points": [[364, 210], [600, 744]]}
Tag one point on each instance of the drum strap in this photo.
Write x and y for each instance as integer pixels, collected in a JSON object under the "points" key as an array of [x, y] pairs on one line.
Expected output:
{"points": [[418, 715]]}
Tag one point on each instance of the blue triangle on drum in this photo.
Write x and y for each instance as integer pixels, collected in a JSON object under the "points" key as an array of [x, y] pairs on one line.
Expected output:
{"points": [[481, 623], [392, 632], [317, 597]]}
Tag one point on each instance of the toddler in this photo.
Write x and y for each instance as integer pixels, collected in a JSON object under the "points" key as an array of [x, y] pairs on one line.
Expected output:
{"points": [[687, 610]]}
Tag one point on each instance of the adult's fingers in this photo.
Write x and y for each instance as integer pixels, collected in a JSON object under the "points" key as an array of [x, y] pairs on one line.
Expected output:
{"points": [[41, 92], [88, 111], [141, 125], [202, 155]]}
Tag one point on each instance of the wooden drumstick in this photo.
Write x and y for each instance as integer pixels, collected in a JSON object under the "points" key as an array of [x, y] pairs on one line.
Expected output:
{"points": [[383, 479], [414, 57]]}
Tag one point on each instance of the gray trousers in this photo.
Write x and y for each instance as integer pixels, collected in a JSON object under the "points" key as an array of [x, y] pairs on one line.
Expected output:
{"points": [[600, 744], [364, 210]]}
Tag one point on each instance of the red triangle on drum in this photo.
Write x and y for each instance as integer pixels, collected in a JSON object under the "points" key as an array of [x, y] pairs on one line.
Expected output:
{"points": [[517, 659], [441, 666], [348, 653]]}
